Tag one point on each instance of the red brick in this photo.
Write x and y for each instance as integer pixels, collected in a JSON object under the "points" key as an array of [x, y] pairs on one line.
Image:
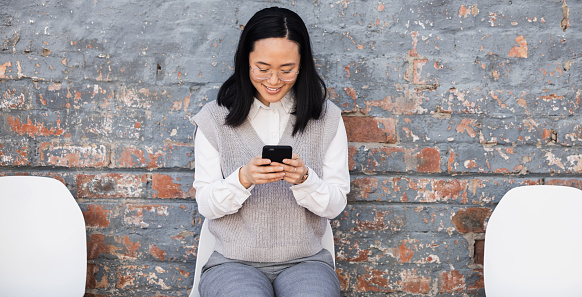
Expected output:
{"points": [[403, 253], [157, 252], [471, 219], [353, 246], [351, 154], [165, 187], [451, 282], [35, 129], [519, 50], [449, 189], [417, 71], [96, 216], [467, 126], [120, 247], [479, 251], [370, 129], [428, 160], [374, 281], [5, 67], [575, 183], [134, 214], [344, 278], [96, 246], [479, 283], [124, 280], [413, 283], [111, 185], [130, 157], [378, 223], [170, 155], [351, 92], [363, 186], [92, 273], [69, 155], [94, 295]]}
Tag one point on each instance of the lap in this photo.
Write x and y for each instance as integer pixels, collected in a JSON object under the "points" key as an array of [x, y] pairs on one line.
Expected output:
{"points": [[234, 279], [307, 279], [310, 276]]}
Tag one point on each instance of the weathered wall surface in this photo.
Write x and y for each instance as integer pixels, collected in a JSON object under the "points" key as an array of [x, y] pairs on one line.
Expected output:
{"points": [[447, 104]]}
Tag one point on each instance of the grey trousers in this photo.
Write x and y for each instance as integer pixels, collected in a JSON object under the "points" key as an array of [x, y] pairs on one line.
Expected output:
{"points": [[311, 276]]}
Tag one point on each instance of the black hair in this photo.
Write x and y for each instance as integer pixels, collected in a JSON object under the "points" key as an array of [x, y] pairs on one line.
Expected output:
{"points": [[237, 92]]}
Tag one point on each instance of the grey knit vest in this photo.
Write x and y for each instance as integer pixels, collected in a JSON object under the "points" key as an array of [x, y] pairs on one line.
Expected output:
{"points": [[270, 226]]}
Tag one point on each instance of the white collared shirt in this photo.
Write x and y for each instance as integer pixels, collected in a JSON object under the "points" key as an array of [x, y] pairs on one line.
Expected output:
{"points": [[326, 196]]}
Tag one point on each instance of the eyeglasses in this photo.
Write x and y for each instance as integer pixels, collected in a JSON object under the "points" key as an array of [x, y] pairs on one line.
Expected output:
{"points": [[284, 75]]}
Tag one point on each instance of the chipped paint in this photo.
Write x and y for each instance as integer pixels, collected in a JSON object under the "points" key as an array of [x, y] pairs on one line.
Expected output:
{"points": [[442, 119], [520, 50], [73, 156], [34, 129]]}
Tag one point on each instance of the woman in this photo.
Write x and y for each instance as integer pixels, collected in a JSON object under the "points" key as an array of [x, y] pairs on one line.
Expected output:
{"points": [[268, 218]]}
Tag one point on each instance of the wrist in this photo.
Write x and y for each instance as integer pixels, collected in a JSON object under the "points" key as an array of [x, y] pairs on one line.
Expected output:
{"points": [[241, 178], [304, 177]]}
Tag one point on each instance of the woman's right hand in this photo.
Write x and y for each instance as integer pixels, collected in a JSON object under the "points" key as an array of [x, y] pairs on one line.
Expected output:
{"points": [[260, 171]]}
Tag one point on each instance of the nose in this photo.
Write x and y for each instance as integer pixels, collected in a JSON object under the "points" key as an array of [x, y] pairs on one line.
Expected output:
{"points": [[273, 79]]}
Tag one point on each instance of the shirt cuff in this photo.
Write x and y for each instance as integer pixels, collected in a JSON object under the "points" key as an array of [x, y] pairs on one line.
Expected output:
{"points": [[310, 184], [233, 183]]}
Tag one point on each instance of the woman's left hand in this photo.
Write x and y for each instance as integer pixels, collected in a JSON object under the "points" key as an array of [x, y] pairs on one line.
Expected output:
{"points": [[295, 170]]}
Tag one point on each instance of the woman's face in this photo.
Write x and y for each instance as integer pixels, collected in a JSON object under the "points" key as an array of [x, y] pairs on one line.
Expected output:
{"points": [[276, 55]]}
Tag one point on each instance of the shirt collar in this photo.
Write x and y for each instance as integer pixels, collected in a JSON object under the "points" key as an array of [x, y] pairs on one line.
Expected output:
{"points": [[287, 103]]}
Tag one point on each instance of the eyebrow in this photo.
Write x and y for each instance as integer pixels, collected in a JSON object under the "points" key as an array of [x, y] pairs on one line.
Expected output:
{"points": [[267, 64]]}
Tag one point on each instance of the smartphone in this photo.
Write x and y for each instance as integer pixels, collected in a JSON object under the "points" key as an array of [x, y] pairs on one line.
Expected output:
{"points": [[276, 153]]}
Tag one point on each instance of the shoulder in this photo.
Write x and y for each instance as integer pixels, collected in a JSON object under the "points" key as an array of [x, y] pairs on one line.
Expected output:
{"points": [[330, 107], [212, 107], [331, 111], [211, 110]]}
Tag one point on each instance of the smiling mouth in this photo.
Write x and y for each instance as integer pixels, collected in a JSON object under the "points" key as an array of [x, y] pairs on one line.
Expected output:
{"points": [[272, 90]]}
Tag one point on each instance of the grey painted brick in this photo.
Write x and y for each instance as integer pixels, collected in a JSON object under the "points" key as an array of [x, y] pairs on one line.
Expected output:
{"points": [[473, 117]]}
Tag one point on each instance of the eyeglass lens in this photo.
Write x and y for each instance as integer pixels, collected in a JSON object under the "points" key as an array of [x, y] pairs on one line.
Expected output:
{"points": [[265, 74]]}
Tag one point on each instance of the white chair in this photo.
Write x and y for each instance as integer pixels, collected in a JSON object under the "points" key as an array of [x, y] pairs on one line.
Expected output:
{"points": [[206, 248], [43, 248], [533, 242]]}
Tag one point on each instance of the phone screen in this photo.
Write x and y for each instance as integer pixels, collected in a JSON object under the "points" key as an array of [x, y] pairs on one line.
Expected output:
{"points": [[276, 153]]}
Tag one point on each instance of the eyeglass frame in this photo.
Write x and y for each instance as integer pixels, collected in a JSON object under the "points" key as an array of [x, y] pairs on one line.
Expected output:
{"points": [[296, 74]]}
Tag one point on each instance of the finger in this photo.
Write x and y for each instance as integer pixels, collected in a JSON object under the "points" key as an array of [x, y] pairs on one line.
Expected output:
{"points": [[274, 167], [290, 179], [261, 162], [262, 173], [292, 162], [293, 171], [270, 177]]}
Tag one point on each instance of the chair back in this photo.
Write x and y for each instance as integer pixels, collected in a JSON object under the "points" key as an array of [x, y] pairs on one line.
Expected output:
{"points": [[206, 248], [43, 248], [532, 243]]}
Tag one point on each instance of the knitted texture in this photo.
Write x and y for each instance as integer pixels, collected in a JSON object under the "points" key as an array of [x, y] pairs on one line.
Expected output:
{"points": [[270, 226]]}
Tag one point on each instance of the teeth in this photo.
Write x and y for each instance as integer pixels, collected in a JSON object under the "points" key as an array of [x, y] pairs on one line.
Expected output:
{"points": [[271, 89]]}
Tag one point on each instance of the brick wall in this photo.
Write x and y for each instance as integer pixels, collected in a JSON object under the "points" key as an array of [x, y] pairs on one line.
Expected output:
{"points": [[447, 105]]}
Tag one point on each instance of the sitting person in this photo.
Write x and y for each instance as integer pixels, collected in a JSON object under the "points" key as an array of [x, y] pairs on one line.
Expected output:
{"points": [[268, 218]]}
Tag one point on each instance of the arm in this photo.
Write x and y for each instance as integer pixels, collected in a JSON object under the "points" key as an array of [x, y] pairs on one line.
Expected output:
{"points": [[326, 196], [216, 196]]}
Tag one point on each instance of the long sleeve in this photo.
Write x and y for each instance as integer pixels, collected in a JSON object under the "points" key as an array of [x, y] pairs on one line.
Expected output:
{"points": [[326, 196], [216, 196]]}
